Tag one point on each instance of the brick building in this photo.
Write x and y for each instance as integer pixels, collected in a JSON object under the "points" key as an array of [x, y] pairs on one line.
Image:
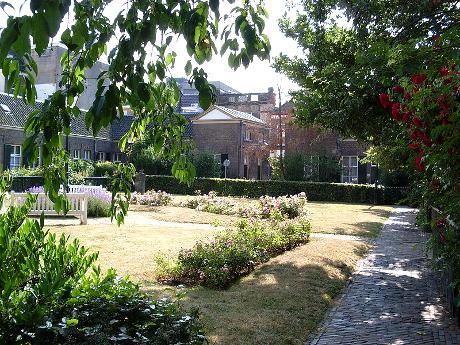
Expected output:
{"points": [[80, 143], [234, 135], [313, 141]]}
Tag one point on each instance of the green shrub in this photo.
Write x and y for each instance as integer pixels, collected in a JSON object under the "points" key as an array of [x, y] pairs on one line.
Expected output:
{"points": [[25, 171], [147, 160], [314, 191], [234, 253], [48, 295], [300, 167], [206, 165], [98, 207], [79, 170], [104, 169]]}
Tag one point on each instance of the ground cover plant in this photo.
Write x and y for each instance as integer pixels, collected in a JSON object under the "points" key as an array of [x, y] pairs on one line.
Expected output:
{"points": [[233, 253], [285, 207], [51, 292]]}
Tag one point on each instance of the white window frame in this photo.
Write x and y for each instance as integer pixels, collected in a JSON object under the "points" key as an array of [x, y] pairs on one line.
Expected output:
{"points": [[76, 155], [116, 157], [101, 156], [247, 135], [348, 168], [15, 157], [87, 155]]}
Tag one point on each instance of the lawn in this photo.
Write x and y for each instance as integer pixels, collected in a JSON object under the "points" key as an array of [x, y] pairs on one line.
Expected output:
{"points": [[130, 249], [281, 302], [332, 218]]}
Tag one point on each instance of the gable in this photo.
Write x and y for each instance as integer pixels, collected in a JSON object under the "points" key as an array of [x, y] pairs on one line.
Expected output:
{"points": [[215, 114]]}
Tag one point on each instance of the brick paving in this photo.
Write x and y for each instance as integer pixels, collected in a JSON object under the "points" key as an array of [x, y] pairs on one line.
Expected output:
{"points": [[393, 298]]}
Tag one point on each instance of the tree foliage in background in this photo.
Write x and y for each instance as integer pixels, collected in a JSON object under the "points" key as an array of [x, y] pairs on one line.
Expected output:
{"points": [[138, 64], [206, 165], [348, 62], [301, 167]]}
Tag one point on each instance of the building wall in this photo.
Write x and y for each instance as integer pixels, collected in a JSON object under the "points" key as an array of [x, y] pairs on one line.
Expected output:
{"points": [[221, 138], [15, 136], [49, 74], [260, 105]]}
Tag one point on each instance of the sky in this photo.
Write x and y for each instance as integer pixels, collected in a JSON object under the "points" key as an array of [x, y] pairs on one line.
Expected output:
{"points": [[258, 77]]}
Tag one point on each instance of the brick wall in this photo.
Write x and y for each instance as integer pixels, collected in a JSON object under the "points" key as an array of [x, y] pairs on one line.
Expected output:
{"points": [[221, 138], [15, 136]]}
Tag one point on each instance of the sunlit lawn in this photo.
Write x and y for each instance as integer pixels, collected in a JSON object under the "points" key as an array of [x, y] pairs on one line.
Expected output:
{"points": [[332, 218], [281, 302]]}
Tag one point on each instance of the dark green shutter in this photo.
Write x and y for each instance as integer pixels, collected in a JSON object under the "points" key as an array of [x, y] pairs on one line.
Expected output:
{"points": [[7, 150], [362, 172]]}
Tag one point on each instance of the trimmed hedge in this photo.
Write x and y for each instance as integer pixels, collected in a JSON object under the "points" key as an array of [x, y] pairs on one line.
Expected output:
{"points": [[315, 191]]}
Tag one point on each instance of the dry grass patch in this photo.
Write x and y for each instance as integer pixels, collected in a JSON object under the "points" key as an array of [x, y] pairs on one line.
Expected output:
{"points": [[281, 302], [184, 215], [130, 249], [348, 219], [332, 218]]}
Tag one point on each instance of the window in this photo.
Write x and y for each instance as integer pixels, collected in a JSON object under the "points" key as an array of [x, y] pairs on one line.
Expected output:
{"points": [[117, 157], [87, 155], [247, 135], [76, 154], [231, 99], [15, 157], [254, 98], [349, 169], [101, 156]]}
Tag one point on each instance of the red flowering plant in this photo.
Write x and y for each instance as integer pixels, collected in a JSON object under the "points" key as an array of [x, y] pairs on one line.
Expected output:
{"points": [[427, 106]]}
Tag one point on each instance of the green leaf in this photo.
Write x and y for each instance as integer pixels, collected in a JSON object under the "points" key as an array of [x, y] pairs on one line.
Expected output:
{"points": [[160, 70], [71, 322], [188, 68], [40, 32]]}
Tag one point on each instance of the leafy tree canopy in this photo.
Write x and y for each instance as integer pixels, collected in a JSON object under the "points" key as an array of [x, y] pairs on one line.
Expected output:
{"points": [[354, 50], [138, 64]]}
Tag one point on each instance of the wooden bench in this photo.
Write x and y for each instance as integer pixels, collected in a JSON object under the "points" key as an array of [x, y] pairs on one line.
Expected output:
{"points": [[78, 205], [78, 188]]}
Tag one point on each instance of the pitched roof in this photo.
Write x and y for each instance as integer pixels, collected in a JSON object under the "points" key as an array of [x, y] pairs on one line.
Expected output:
{"points": [[236, 114], [19, 112], [121, 126]]}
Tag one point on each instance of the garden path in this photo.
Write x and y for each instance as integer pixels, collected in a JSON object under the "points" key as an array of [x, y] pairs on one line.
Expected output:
{"points": [[393, 297]]}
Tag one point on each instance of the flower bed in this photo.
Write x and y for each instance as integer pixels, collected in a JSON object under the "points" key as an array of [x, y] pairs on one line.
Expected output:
{"points": [[233, 253], [283, 207], [151, 198]]}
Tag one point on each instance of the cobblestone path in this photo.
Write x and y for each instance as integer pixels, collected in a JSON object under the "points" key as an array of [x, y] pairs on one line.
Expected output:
{"points": [[392, 298]]}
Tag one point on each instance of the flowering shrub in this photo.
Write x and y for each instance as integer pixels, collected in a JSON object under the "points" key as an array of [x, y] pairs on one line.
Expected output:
{"points": [[151, 198], [234, 253], [212, 204], [427, 106], [289, 207], [284, 207]]}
